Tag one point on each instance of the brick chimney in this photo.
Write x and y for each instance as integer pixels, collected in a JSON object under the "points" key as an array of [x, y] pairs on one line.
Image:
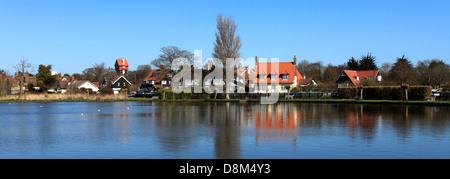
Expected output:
{"points": [[209, 65], [295, 67], [256, 61], [295, 61]]}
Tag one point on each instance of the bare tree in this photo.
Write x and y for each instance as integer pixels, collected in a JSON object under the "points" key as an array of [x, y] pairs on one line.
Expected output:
{"points": [[22, 67], [384, 71], [169, 54], [439, 72], [227, 43]]}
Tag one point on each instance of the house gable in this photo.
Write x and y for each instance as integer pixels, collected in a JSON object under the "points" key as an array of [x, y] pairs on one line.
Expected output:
{"points": [[353, 77], [120, 82]]}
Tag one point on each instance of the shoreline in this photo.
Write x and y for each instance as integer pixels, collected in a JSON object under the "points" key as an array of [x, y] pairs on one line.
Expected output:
{"points": [[431, 103]]}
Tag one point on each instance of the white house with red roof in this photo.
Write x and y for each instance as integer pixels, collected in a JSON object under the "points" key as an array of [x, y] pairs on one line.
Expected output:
{"points": [[275, 76], [349, 78]]}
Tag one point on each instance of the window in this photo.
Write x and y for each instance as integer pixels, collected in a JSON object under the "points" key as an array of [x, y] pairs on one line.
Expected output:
{"points": [[155, 74], [262, 87], [262, 77], [284, 76], [274, 77], [163, 82]]}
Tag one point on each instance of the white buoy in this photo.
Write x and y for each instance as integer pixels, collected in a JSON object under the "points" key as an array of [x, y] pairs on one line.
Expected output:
{"points": [[128, 108], [82, 114], [98, 110], [41, 106]]}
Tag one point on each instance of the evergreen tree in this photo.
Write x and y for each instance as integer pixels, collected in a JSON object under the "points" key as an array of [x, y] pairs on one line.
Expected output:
{"points": [[402, 71], [44, 78], [352, 64], [367, 62]]}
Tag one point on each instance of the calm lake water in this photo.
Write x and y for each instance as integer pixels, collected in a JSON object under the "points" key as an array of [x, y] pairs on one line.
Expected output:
{"points": [[222, 130]]}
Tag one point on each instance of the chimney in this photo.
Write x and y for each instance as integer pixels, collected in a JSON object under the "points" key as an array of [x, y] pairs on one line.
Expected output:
{"points": [[123, 61], [240, 65], [209, 65], [73, 78], [256, 61], [161, 67], [17, 74], [295, 60]]}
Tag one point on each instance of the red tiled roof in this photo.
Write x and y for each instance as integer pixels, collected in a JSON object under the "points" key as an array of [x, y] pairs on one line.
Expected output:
{"points": [[122, 62], [97, 84], [283, 68], [305, 81], [157, 79], [362, 75]]}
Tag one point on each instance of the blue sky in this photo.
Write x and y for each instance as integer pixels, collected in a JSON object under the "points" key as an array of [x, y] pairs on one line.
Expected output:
{"points": [[72, 35]]}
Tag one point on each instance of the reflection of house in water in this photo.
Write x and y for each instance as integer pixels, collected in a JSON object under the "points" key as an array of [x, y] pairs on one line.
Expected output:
{"points": [[122, 127], [277, 123], [362, 122]]}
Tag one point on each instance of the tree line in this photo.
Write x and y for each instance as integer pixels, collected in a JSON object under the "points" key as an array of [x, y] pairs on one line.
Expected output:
{"points": [[434, 72]]}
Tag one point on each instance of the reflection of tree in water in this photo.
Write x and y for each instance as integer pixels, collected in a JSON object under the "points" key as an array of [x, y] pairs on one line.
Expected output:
{"points": [[177, 127], [408, 120], [362, 120], [226, 119]]}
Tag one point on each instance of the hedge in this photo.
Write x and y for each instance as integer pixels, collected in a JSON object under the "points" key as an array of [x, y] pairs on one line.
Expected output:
{"points": [[415, 93], [171, 95]]}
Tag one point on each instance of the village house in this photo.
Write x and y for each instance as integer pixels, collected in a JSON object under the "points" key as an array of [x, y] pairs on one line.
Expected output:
{"points": [[84, 85], [119, 83], [64, 82], [159, 78], [268, 78], [13, 82], [307, 82], [121, 66], [349, 78]]}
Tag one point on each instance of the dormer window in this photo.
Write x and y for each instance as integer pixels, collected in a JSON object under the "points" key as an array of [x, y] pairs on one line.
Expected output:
{"points": [[262, 77], [274, 76], [284, 76]]}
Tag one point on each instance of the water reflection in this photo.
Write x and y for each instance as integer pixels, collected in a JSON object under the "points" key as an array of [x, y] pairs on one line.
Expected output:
{"points": [[219, 130]]}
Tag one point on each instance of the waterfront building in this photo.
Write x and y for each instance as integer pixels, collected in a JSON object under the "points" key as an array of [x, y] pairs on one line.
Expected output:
{"points": [[349, 78], [269, 78]]}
